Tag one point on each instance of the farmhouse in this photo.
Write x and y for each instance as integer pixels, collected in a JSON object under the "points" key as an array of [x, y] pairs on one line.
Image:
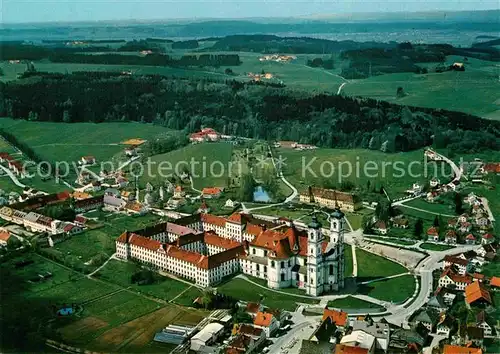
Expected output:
{"points": [[331, 198], [460, 263], [449, 279], [433, 234], [476, 293], [213, 192], [206, 134]]}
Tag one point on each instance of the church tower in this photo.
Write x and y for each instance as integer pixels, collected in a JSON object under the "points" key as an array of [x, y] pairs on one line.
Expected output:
{"points": [[314, 283], [337, 240]]}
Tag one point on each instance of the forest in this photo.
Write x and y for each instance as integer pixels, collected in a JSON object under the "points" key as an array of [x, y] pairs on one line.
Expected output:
{"points": [[236, 108]]}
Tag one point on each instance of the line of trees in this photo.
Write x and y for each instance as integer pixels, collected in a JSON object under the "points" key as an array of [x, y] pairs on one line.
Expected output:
{"points": [[236, 108]]}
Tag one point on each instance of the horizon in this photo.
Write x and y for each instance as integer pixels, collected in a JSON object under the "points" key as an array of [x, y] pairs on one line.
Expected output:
{"points": [[25, 12]]}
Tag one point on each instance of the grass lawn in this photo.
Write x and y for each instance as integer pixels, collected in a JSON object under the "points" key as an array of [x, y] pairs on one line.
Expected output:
{"points": [[437, 208], [304, 168], [372, 266], [208, 162], [348, 260], [395, 289], [8, 186], [71, 141], [356, 220], [245, 291], [435, 247], [6, 147], [350, 303]]}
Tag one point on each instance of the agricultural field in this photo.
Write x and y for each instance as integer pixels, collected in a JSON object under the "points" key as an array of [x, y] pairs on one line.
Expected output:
{"points": [[210, 164], [166, 289], [372, 266], [108, 314], [479, 83], [375, 167], [70, 141], [351, 303], [87, 250]]}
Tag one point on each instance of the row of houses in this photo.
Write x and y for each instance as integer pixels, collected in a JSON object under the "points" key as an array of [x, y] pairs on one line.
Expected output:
{"points": [[14, 165], [39, 223], [294, 145], [330, 198]]}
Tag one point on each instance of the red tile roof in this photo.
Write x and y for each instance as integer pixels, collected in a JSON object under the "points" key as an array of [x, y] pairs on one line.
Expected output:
{"points": [[456, 277], [488, 236], [252, 307], [263, 319], [214, 220], [4, 236], [456, 260], [433, 231], [492, 167], [211, 191], [470, 237], [346, 349], [475, 292], [337, 317], [455, 349], [254, 229], [236, 218], [495, 281], [211, 238]]}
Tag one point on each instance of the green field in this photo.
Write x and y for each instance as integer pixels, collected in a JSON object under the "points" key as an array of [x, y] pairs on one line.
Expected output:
{"points": [[392, 240], [351, 303], [437, 208], [210, 164], [110, 317], [167, 289], [303, 168], [435, 247], [70, 141], [372, 266], [245, 291], [99, 243], [394, 290], [478, 86], [348, 260]]}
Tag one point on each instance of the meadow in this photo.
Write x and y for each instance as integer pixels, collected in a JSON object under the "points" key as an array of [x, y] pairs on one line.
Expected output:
{"points": [[372, 266], [70, 141], [210, 164], [304, 168], [473, 91], [112, 317]]}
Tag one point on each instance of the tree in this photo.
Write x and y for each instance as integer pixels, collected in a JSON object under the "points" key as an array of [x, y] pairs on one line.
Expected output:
{"points": [[458, 203], [419, 228], [13, 243], [242, 317], [247, 187], [383, 210], [400, 92], [435, 223]]}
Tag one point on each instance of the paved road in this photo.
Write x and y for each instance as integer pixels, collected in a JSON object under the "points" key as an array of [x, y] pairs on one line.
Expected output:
{"points": [[341, 87], [12, 176], [354, 261], [113, 256]]}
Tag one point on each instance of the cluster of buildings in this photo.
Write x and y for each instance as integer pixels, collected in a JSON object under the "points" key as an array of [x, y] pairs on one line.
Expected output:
{"points": [[294, 145], [337, 333], [471, 228], [25, 214], [206, 248], [259, 77], [461, 284], [382, 227], [207, 134], [14, 165], [278, 58], [330, 198]]}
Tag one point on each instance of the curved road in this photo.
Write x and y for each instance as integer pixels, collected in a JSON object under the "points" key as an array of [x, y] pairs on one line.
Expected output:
{"points": [[12, 176]]}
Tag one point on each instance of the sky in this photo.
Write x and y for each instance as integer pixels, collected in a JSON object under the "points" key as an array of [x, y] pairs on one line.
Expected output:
{"points": [[21, 11]]}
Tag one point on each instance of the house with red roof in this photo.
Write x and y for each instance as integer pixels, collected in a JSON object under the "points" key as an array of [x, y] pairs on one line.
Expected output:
{"points": [[476, 293], [495, 282], [450, 237], [470, 239], [381, 227], [206, 134], [488, 238], [213, 192], [267, 321], [4, 237], [433, 234], [450, 279]]}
